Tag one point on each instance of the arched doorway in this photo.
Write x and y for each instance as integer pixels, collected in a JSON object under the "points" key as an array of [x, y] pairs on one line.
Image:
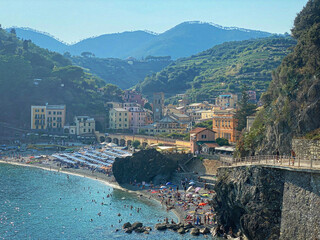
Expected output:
{"points": [[116, 141], [129, 142], [108, 139], [102, 139], [122, 142]]}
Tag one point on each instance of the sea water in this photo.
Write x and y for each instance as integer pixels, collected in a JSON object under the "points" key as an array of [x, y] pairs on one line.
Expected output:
{"points": [[40, 204]]}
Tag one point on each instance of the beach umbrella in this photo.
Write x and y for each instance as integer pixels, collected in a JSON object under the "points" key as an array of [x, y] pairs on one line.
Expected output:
{"points": [[163, 187], [192, 183], [202, 204], [189, 195], [168, 183], [154, 192], [197, 189], [195, 195]]}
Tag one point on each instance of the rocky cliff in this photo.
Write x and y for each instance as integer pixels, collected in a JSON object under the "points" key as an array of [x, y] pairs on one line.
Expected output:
{"points": [[269, 203], [292, 102], [146, 165]]}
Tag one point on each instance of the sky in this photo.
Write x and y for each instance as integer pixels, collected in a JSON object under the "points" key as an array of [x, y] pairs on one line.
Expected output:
{"points": [[73, 20]]}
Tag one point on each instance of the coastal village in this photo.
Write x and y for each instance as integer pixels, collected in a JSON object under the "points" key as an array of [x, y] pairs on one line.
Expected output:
{"points": [[198, 132]]}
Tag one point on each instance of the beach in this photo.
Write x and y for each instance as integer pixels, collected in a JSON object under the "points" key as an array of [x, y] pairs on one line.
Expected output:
{"points": [[172, 199]]}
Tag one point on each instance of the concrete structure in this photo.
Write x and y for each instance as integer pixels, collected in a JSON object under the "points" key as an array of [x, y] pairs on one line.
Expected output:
{"points": [[126, 140], [250, 120], [49, 117], [119, 119], [158, 106], [199, 136], [227, 100], [225, 124]]}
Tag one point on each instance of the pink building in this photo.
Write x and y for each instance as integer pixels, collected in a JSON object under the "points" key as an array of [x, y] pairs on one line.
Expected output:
{"points": [[137, 118], [133, 96]]}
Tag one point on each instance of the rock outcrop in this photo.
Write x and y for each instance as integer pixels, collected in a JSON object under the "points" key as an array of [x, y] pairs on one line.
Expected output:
{"points": [[269, 203], [292, 103], [146, 165]]}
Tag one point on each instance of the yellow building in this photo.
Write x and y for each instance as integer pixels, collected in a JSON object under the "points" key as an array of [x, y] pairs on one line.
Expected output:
{"points": [[49, 117], [118, 119], [207, 114], [38, 117]]}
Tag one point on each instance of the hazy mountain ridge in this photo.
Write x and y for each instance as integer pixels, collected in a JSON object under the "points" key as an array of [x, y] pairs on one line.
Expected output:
{"points": [[182, 40]]}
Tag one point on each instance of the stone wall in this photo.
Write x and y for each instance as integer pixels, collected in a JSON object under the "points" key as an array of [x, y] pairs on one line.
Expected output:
{"points": [[266, 202], [305, 148]]}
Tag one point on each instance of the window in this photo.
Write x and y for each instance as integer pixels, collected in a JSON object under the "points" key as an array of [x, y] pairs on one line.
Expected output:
{"points": [[125, 125], [125, 120], [49, 112], [119, 114], [42, 110], [54, 113], [84, 130], [119, 119], [125, 114], [54, 119], [119, 125], [89, 124], [54, 124]]}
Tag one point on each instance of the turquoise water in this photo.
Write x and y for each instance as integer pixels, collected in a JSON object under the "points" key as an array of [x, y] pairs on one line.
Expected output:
{"points": [[38, 204]]}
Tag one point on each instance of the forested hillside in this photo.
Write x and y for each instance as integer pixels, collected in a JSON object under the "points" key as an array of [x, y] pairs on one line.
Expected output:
{"points": [[223, 68], [292, 102], [123, 73], [31, 75]]}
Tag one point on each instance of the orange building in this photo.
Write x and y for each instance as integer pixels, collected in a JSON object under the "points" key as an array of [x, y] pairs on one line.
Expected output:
{"points": [[225, 124]]}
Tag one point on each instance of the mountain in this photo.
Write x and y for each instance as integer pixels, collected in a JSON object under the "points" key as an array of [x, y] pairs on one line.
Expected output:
{"points": [[223, 68], [182, 40], [42, 39], [117, 45], [31, 75], [292, 103], [189, 38], [123, 73]]}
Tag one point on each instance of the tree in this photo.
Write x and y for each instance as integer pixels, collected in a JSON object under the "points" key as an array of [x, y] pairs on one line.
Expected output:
{"points": [[222, 141], [148, 106], [246, 109], [135, 144], [112, 93], [87, 54], [13, 31]]}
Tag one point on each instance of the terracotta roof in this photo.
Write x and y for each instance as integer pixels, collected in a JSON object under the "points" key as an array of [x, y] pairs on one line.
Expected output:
{"points": [[197, 130], [212, 145]]}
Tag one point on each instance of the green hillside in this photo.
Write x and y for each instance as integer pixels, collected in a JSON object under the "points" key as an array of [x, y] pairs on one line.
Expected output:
{"points": [[31, 75], [122, 73], [223, 68]]}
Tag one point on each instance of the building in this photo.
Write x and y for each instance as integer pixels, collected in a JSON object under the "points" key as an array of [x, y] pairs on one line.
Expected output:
{"points": [[119, 119], [133, 97], [207, 114], [137, 118], [225, 124], [252, 96], [198, 137], [48, 117], [158, 106], [168, 124], [84, 125], [56, 117], [227, 100], [38, 117]]}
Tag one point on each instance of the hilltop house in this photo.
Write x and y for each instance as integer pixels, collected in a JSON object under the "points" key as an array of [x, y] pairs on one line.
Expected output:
{"points": [[200, 136]]}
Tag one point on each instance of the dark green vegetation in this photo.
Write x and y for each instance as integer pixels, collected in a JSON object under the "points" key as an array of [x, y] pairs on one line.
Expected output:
{"points": [[123, 73], [245, 109], [204, 124], [222, 141], [34, 76], [182, 40], [292, 102], [223, 68]]}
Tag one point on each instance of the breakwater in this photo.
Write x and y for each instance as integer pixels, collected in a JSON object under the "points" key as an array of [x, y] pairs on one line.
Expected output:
{"points": [[266, 202]]}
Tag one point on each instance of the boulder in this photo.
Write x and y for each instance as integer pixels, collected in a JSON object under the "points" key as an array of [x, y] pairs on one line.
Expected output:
{"points": [[188, 225], [204, 230], [181, 230], [194, 231], [146, 165], [128, 230], [140, 230], [136, 225], [126, 225], [161, 226]]}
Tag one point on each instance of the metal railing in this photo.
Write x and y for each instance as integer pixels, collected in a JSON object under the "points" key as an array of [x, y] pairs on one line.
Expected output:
{"points": [[274, 160]]}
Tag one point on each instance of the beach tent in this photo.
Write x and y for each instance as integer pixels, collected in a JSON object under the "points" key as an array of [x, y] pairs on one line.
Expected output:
{"points": [[163, 187], [192, 183], [197, 189], [168, 183]]}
